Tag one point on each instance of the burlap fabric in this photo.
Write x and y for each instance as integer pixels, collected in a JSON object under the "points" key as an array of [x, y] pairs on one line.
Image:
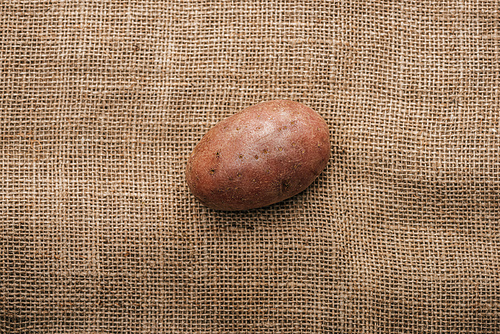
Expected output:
{"points": [[101, 103]]}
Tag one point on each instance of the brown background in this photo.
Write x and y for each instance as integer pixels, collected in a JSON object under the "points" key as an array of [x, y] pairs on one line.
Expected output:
{"points": [[101, 103]]}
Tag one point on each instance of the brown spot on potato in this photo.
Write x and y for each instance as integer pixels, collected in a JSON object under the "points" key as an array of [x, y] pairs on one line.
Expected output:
{"points": [[265, 151], [280, 149], [285, 185], [256, 157], [240, 156], [212, 171]]}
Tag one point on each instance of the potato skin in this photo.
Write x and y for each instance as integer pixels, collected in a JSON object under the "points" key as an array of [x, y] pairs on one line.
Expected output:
{"points": [[260, 156]]}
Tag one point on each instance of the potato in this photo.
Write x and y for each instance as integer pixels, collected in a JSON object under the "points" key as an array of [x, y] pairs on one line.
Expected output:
{"points": [[262, 155]]}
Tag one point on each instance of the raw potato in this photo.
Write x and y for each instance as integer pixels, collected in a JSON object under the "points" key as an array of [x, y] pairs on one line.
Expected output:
{"points": [[262, 155]]}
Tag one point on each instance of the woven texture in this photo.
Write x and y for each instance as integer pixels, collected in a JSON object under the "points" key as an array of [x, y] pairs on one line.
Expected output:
{"points": [[101, 103]]}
